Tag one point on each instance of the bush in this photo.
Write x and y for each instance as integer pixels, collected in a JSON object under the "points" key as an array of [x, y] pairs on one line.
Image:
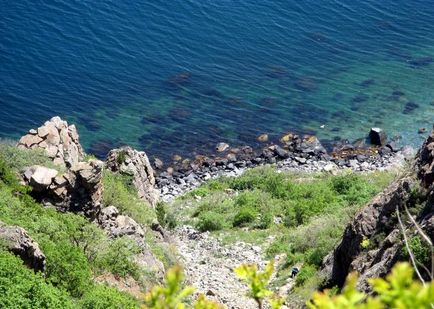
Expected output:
{"points": [[104, 297], [165, 218], [210, 221], [67, 268], [246, 214], [265, 220], [21, 288], [420, 250], [306, 272], [118, 258]]}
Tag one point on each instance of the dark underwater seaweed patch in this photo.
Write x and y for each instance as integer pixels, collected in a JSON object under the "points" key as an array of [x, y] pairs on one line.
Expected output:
{"points": [[410, 107], [421, 61], [90, 122], [101, 147], [367, 82], [360, 98]]}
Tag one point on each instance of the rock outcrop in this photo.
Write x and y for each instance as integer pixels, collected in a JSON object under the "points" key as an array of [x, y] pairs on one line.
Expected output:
{"points": [[128, 161], [425, 162], [58, 139], [76, 185], [19, 242], [378, 223], [374, 219], [118, 225], [79, 189]]}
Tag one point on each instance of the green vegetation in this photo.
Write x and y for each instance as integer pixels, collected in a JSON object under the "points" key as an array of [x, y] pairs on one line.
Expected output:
{"points": [[164, 217], [17, 159], [419, 248], [122, 155], [398, 290], [76, 251], [21, 288], [120, 192], [304, 213], [258, 284], [104, 297]]}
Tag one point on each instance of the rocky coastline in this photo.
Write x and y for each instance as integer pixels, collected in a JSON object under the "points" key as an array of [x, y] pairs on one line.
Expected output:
{"points": [[295, 153]]}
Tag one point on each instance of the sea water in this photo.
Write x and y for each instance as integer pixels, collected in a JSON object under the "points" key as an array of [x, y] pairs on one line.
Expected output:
{"points": [[179, 76]]}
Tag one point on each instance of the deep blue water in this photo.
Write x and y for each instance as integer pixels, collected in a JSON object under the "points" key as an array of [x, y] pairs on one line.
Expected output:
{"points": [[179, 76]]}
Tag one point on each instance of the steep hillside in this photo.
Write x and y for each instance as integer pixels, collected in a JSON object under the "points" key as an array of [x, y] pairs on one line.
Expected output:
{"points": [[374, 240]]}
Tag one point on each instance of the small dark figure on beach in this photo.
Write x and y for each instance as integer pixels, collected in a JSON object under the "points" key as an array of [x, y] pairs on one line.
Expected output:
{"points": [[294, 271]]}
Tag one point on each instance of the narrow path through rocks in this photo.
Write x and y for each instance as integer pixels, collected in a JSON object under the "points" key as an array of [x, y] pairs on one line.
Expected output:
{"points": [[209, 265]]}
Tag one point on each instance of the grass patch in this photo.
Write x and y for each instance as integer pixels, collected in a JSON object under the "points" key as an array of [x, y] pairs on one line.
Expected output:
{"points": [[18, 159], [119, 192]]}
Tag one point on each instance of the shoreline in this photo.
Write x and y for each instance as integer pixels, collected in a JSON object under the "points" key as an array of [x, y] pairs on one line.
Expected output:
{"points": [[295, 153]]}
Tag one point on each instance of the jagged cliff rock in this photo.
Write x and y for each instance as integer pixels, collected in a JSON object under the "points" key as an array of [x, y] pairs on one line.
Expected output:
{"points": [[131, 162], [377, 222], [58, 139], [19, 242], [77, 185], [79, 189], [425, 162]]}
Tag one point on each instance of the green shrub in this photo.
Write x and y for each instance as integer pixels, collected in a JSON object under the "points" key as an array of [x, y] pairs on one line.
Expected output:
{"points": [[122, 155], [118, 258], [210, 221], [119, 192], [246, 214], [420, 250], [306, 272], [265, 220], [165, 218], [104, 297], [20, 287], [67, 267]]}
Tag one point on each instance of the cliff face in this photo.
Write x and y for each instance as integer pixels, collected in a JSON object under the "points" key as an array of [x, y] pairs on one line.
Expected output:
{"points": [[372, 243]]}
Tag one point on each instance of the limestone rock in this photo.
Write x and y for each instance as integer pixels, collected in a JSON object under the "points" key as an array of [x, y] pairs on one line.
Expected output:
{"points": [[129, 161], [60, 141], [79, 189], [117, 225], [19, 242]]}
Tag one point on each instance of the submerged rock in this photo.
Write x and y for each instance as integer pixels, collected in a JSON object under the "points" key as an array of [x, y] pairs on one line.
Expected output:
{"points": [[263, 138], [410, 107], [421, 61], [221, 147]]}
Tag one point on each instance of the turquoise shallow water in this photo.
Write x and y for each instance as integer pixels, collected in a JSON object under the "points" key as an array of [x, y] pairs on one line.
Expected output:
{"points": [[179, 76]]}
